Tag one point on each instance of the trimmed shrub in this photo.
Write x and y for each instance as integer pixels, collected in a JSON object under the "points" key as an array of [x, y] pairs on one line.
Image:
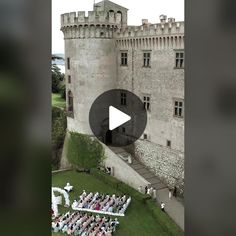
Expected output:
{"points": [[58, 127], [58, 134], [84, 151]]}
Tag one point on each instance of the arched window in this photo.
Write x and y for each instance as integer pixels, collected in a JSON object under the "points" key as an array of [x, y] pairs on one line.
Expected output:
{"points": [[120, 13], [70, 103], [110, 13]]}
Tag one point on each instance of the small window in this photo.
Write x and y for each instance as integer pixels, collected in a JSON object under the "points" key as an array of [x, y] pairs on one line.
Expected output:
{"points": [[179, 59], [146, 59], [123, 99], [178, 108], [168, 143], [144, 136], [69, 79], [123, 129], [101, 34], [70, 103], [146, 103], [124, 58], [68, 63]]}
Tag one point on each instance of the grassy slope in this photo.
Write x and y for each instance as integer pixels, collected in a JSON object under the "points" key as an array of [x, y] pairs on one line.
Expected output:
{"points": [[138, 220], [57, 101]]}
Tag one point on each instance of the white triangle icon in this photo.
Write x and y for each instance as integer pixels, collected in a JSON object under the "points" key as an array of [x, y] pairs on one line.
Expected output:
{"points": [[117, 118]]}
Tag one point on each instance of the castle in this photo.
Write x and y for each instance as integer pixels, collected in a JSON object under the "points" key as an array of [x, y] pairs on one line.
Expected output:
{"points": [[102, 52]]}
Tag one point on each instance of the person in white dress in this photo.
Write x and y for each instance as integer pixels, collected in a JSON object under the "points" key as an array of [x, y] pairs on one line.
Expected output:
{"points": [[163, 206], [68, 187]]}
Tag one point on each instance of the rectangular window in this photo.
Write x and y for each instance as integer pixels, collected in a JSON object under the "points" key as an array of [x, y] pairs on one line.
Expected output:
{"points": [[123, 99], [124, 58], [146, 103], [178, 108], [179, 59], [146, 59], [168, 143], [144, 136], [68, 63], [123, 129], [69, 79]]}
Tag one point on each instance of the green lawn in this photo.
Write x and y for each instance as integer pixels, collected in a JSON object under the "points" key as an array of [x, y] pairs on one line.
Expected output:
{"points": [[138, 220], [57, 101]]}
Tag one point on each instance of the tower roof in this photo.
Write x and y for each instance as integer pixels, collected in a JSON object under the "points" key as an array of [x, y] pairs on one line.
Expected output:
{"points": [[104, 2]]}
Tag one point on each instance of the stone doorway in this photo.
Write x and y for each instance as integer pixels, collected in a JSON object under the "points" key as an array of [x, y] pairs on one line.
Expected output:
{"points": [[108, 139]]}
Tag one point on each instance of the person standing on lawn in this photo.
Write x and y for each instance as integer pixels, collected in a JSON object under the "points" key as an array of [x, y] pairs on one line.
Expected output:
{"points": [[163, 206]]}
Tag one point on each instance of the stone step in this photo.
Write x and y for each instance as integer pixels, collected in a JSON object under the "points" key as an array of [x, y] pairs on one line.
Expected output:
{"points": [[159, 186], [143, 171], [148, 175], [137, 167], [153, 180], [135, 161]]}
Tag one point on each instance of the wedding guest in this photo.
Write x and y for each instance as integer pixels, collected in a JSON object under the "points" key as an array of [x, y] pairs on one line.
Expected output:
{"points": [[170, 193], [175, 192], [163, 206], [146, 189]]}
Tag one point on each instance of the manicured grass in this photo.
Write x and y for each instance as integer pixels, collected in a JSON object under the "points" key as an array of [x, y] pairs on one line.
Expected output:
{"points": [[138, 219], [57, 101]]}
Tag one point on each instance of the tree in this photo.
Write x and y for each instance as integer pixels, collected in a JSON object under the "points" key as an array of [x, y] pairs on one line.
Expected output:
{"points": [[62, 91], [57, 78]]}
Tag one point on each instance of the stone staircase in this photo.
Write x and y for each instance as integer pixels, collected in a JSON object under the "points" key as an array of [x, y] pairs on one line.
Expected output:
{"points": [[174, 207], [154, 181]]}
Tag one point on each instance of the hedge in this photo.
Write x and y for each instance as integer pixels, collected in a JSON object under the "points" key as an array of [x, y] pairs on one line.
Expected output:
{"points": [[163, 219], [58, 134], [84, 151]]}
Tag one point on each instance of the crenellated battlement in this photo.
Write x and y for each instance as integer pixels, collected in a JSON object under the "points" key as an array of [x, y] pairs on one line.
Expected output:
{"points": [[93, 18], [165, 35], [146, 30]]}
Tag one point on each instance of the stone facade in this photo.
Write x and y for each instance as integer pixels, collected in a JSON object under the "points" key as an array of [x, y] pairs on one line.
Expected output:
{"points": [[93, 48]]}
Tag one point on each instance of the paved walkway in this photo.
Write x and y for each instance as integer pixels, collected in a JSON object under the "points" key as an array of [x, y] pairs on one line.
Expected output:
{"points": [[174, 207]]}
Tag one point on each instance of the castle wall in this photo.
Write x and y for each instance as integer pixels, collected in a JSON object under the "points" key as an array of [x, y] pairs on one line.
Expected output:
{"points": [[166, 163], [163, 83]]}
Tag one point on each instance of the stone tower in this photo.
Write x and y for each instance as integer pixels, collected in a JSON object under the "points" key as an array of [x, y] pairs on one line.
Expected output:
{"points": [[90, 52]]}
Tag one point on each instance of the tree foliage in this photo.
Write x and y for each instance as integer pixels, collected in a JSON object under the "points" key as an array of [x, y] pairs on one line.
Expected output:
{"points": [[57, 78], [84, 151], [62, 90]]}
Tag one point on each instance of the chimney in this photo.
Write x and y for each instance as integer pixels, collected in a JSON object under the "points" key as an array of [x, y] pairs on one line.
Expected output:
{"points": [[163, 18], [144, 21], [171, 20]]}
